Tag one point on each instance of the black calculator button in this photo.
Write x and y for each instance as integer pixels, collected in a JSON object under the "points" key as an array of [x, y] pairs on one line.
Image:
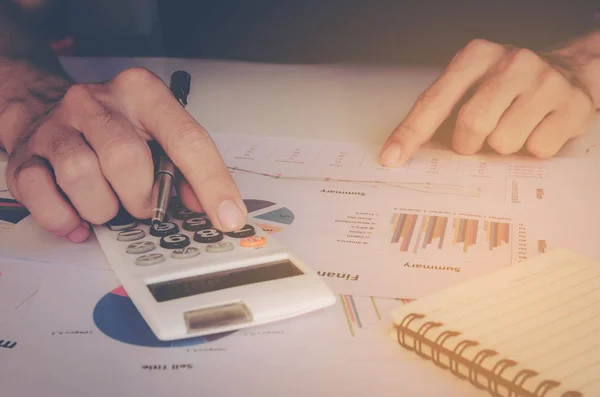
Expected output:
{"points": [[208, 236], [195, 224], [149, 259], [185, 253], [164, 229], [131, 235], [221, 246], [175, 241], [140, 247], [122, 226], [122, 221], [183, 214], [246, 231]]}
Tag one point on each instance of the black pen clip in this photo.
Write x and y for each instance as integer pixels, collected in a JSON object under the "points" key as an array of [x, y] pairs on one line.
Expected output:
{"points": [[180, 85]]}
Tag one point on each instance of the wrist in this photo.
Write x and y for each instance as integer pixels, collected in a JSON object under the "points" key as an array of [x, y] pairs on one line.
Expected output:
{"points": [[26, 94], [583, 56]]}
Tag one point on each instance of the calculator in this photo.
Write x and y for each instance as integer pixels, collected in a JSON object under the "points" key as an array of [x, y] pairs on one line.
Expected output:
{"points": [[188, 279]]}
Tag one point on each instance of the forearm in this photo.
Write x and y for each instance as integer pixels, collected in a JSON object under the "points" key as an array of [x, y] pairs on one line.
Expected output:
{"points": [[584, 56], [31, 77]]}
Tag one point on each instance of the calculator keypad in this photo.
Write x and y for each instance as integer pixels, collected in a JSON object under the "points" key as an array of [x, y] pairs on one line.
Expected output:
{"points": [[140, 247], [183, 214], [175, 241], [196, 224], [185, 253], [253, 242], [187, 235], [149, 259], [122, 221], [222, 246], [208, 236], [164, 229], [131, 235], [246, 231]]}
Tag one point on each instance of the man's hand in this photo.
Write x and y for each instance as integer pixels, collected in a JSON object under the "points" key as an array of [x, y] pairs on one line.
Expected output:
{"points": [[510, 98], [90, 151]]}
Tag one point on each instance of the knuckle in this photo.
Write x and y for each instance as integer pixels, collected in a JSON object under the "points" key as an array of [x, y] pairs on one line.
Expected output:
{"points": [[502, 145], [76, 167], [427, 99], [187, 139], [472, 120], [539, 149], [524, 56], [553, 79], [135, 76], [60, 143], [477, 46], [104, 118], [77, 95], [123, 154]]}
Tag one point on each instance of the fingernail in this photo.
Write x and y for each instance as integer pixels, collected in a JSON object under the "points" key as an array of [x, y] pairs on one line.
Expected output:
{"points": [[230, 215], [80, 234], [391, 154]]}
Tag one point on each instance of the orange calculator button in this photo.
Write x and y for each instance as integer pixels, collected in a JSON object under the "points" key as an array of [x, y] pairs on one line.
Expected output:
{"points": [[253, 242]]}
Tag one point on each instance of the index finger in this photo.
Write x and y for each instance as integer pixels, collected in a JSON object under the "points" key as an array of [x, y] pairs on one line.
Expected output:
{"points": [[436, 103], [155, 110]]}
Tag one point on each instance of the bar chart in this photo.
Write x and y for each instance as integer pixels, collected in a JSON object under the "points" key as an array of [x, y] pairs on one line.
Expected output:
{"points": [[451, 235]]}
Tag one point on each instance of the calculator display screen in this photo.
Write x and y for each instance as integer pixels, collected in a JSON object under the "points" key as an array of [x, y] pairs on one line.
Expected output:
{"points": [[204, 283]]}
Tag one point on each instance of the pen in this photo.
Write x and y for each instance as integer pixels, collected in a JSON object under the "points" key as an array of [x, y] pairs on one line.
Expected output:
{"points": [[165, 174]]}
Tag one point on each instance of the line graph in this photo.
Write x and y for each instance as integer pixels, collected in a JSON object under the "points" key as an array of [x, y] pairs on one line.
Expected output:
{"points": [[423, 187]]}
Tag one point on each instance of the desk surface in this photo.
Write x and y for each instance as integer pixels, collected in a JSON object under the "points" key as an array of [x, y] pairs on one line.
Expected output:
{"points": [[347, 103], [337, 102]]}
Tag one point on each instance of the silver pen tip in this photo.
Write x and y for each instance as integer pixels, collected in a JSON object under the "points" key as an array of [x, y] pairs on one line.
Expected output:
{"points": [[157, 216]]}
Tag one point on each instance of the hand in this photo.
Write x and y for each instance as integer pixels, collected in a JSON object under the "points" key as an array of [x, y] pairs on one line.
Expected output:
{"points": [[509, 98], [90, 151]]}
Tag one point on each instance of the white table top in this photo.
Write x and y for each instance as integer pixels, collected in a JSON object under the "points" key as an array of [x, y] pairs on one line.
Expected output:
{"points": [[334, 102]]}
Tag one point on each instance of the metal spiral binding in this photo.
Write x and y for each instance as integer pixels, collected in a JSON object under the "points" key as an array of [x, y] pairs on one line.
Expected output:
{"points": [[497, 370], [475, 366], [404, 325], [545, 386], [478, 361], [441, 339], [520, 378], [456, 354], [422, 332]]}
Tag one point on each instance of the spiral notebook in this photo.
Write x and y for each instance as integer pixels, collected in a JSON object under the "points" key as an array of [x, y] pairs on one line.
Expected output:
{"points": [[529, 330]]}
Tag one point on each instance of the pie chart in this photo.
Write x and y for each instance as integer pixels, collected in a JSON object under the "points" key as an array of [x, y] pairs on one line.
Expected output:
{"points": [[117, 317], [269, 216]]}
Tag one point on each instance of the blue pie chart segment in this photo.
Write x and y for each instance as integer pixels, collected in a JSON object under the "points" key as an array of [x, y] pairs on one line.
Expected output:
{"points": [[117, 317], [280, 215]]}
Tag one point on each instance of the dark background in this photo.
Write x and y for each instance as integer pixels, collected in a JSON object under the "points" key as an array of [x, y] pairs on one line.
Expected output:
{"points": [[310, 31]]}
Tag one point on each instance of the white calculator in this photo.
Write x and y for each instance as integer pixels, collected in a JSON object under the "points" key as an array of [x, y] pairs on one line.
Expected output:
{"points": [[189, 279]]}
